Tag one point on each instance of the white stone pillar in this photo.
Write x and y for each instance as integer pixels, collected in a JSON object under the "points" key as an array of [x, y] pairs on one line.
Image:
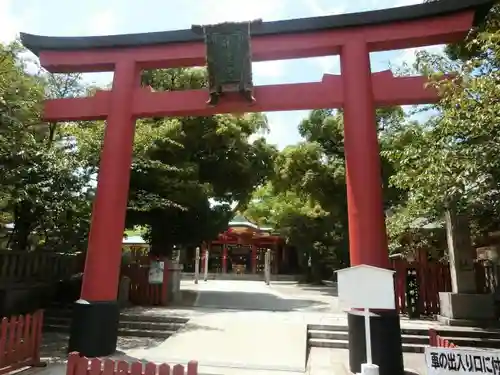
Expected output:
{"points": [[197, 265], [205, 265], [267, 267]]}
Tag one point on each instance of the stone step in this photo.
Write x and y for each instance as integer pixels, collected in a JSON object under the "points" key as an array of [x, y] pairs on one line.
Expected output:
{"points": [[445, 332], [330, 335], [121, 331], [124, 316], [473, 342], [153, 318], [413, 340], [233, 276], [343, 335], [327, 327], [125, 324], [344, 344]]}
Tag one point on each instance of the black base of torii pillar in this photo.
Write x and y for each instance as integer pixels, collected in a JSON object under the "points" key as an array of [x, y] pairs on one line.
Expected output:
{"points": [[386, 341], [94, 328]]}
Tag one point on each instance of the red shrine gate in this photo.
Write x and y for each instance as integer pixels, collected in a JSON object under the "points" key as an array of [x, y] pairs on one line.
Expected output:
{"points": [[358, 91], [242, 247], [246, 255]]}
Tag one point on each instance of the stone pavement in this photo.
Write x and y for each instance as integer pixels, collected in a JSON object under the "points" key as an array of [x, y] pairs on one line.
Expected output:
{"points": [[250, 326], [238, 327], [249, 333], [325, 361]]}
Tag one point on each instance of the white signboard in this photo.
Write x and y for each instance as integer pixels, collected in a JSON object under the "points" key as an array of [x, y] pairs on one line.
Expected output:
{"points": [[156, 272], [366, 287], [457, 361]]}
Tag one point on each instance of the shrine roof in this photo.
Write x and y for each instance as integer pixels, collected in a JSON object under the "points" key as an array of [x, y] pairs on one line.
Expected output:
{"points": [[37, 43], [133, 240], [240, 220]]}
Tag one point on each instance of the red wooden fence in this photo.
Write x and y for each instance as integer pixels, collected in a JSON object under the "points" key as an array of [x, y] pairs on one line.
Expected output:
{"points": [[83, 366], [20, 340], [486, 276], [418, 283], [141, 291], [438, 341], [417, 286]]}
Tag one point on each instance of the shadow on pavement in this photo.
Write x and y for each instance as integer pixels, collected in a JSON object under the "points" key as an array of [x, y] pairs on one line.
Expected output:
{"points": [[195, 327], [54, 345], [325, 290], [252, 301]]}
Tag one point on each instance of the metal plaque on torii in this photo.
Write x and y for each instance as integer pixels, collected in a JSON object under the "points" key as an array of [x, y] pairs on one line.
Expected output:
{"points": [[228, 58]]}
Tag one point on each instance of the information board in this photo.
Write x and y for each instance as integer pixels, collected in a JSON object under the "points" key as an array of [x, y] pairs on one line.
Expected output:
{"points": [[156, 272], [447, 361]]}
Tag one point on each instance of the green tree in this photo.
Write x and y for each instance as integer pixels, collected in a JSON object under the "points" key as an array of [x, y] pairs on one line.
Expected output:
{"points": [[188, 172], [467, 48], [42, 192], [309, 182], [451, 161], [304, 225]]}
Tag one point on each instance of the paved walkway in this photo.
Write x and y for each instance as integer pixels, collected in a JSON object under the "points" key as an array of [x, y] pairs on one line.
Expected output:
{"points": [[324, 361], [249, 333], [240, 327], [256, 295]]}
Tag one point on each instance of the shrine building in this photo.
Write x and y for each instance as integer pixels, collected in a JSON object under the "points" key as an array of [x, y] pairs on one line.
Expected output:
{"points": [[241, 249]]}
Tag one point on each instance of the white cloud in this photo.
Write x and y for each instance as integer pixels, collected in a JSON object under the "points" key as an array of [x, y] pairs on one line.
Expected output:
{"points": [[328, 64], [9, 31], [402, 3], [265, 69], [10, 25], [316, 8], [408, 56], [102, 23], [215, 11]]}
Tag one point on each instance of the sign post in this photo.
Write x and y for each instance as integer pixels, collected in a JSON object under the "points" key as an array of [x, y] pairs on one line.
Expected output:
{"points": [[205, 265], [368, 335], [267, 267], [197, 265], [378, 293]]}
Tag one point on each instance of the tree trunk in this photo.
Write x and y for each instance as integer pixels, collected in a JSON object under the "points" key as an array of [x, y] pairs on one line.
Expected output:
{"points": [[158, 246], [22, 226]]}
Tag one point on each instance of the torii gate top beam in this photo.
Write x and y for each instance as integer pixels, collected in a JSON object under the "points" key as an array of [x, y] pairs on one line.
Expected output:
{"points": [[443, 21]]}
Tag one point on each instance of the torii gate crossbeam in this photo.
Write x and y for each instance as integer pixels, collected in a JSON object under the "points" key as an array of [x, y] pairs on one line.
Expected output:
{"points": [[358, 91]]}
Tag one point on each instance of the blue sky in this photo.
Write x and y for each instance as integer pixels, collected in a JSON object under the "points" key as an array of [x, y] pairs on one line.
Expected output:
{"points": [[97, 17]]}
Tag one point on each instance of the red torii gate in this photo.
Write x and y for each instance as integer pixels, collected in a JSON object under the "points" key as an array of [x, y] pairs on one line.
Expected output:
{"points": [[357, 91]]}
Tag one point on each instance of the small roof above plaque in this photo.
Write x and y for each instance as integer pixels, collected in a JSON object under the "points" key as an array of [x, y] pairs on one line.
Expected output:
{"points": [[365, 286]]}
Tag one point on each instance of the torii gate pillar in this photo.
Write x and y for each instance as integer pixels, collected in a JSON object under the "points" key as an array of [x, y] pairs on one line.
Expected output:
{"points": [[367, 232], [96, 314]]}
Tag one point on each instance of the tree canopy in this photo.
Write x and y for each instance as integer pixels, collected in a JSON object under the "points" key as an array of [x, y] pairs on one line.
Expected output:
{"points": [[187, 173], [452, 158], [42, 193], [190, 175]]}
